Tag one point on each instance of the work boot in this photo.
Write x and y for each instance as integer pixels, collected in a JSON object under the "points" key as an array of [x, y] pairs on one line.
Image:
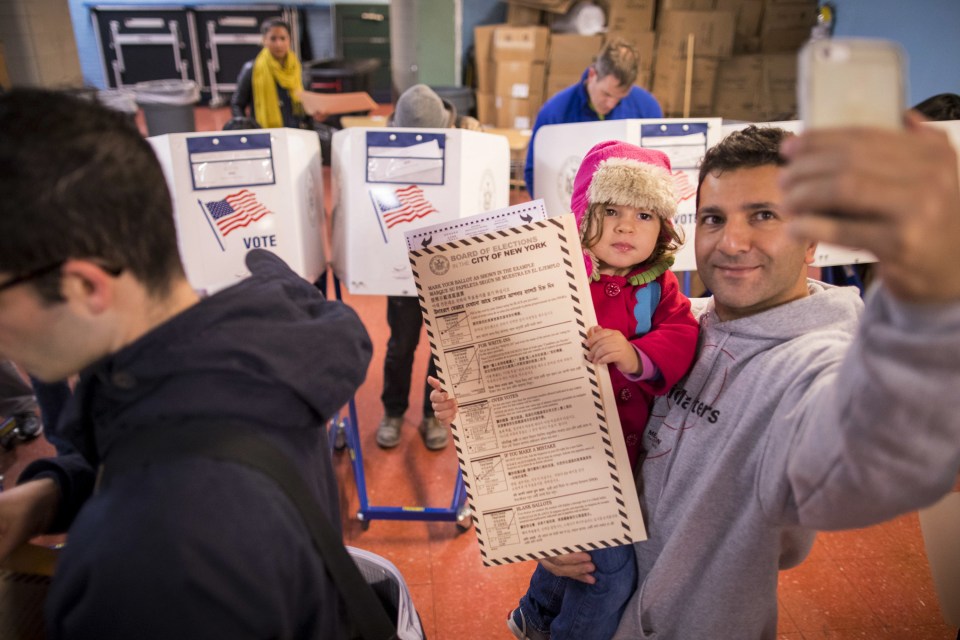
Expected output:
{"points": [[388, 432], [433, 433]]}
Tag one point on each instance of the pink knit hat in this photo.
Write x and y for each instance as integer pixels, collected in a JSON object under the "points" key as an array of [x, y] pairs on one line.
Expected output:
{"points": [[615, 172]]}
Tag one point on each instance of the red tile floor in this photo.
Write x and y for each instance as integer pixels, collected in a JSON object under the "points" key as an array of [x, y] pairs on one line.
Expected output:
{"points": [[868, 583]]}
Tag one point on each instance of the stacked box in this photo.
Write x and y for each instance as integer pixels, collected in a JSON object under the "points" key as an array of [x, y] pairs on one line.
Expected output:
{"points": [[748, 14], [553, 6], [684, 5], [757, 87], [511, 73], [520, 16], [739, 87], [713, 35], [520, 57], [510, 86], [518, 80], [625, 17], [786, 26], [780, 84], [483, 53], [570, 55], [742, 87]]}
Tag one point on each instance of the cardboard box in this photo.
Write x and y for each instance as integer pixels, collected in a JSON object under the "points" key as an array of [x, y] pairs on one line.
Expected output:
{"points": [[441, 174], [785, 27], [757, 88], [553, 6], [739, 91], [572, 53], [747, 45], [516, 113], [688, 5], [624, 16], [483, 56], [747, 17], [520, 80], [789, 16], [529, 44], [713, 33], [233, 191], [520, 16], [780, 84], [784, 40], [486, 108], [669, 86]]}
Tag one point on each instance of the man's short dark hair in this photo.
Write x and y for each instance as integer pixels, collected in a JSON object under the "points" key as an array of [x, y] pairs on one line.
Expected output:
{"points": [[79, 181], [943, 106], [270, 23], [619, 59], [751, 147]]}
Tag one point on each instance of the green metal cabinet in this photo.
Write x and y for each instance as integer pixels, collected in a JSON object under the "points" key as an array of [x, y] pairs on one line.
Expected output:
{"points": [[363, 31]]}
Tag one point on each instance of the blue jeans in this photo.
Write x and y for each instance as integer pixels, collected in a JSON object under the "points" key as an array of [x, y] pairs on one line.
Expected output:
{"points": [[569, 609]]}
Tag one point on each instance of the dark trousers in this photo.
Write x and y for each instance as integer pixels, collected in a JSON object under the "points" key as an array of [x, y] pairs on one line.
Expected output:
{"points": [[405, 319]]}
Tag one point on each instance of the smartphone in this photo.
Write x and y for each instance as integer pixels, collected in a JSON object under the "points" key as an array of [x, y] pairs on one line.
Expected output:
{"points": [[852, 81]]}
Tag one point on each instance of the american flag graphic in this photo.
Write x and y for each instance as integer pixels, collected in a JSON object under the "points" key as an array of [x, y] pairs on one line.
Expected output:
{"points": [[401, 205], [682, 186], [236, 211]]}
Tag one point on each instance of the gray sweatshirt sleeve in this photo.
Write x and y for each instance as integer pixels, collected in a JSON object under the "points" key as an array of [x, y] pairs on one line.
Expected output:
{"points": [[881, 437]]}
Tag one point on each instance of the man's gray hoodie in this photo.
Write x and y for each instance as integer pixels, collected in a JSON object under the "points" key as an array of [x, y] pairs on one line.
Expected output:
{"points": [[791, 420]]}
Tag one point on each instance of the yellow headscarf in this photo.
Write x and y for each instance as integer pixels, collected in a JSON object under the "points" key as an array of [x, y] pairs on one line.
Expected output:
{"points": [[267, 74]]}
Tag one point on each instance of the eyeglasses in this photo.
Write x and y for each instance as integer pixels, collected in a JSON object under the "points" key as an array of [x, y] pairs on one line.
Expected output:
{"points": [[50, 268], [31, 275]]}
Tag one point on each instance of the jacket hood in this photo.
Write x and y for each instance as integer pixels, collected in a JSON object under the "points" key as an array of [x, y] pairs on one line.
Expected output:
{"points": [[826, 306], [268, 350]]}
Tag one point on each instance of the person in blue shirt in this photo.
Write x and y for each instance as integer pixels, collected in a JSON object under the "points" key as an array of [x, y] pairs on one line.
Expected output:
{"points": [[605, 92]]}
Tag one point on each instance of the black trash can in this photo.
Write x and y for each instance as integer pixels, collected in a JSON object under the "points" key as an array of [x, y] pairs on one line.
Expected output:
{"points": [[168, 105]]}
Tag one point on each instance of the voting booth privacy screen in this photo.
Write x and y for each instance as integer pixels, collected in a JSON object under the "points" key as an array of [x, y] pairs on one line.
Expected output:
{"points": [[234, 191], [559, 149], [387, 181]]}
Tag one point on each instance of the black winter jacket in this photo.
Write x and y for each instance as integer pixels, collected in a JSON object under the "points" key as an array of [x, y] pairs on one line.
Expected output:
{"points": [[199, 548]]}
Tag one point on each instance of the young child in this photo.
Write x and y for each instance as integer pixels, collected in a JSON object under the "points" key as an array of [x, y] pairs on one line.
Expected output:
{"points": [[624, 203]]}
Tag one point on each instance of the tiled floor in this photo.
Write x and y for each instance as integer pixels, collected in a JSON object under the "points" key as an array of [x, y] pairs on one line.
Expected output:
{"points": [[871, 583]]}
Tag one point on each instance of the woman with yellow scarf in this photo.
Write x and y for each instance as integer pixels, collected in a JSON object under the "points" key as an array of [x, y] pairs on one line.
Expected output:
{"points": [[270, 85]]}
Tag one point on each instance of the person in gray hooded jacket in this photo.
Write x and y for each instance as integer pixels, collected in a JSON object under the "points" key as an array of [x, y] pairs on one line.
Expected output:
{"points": [[803, 411]]}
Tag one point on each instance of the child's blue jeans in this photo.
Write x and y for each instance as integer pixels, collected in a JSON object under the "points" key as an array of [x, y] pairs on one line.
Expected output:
{"points": [[569, 609]]}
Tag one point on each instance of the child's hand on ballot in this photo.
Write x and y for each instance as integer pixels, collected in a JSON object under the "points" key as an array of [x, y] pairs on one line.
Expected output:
{"points": [[444, 407], [609, 346]]}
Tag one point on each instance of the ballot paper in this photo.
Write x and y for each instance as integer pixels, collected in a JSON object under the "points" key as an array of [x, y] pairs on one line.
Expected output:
{"points": [[537, 436]]}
